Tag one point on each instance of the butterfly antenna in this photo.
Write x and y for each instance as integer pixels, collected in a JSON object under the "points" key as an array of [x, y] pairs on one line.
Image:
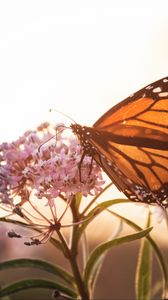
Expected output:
{"points": [[60, 112], [62, 128]]}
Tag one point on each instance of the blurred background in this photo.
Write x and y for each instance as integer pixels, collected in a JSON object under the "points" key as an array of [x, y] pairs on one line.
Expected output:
{"points": [[81, 58]]}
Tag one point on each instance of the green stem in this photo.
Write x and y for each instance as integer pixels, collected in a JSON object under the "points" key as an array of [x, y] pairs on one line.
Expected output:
{"points": [[74, 231], [72, 260], [80, 284]]}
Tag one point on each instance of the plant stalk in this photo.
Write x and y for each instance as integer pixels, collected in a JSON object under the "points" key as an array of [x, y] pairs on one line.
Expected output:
{"points": [[74, 266]]}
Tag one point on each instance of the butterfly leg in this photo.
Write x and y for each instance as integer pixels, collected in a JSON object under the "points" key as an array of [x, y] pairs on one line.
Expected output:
{"points": [[91, 167], [79, 166]]}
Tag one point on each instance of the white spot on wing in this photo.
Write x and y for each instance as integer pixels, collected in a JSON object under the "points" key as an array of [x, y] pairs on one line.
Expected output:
{"points": [[164, 94], [149, 87], [132, 95], [157, 90], [165, 80]]}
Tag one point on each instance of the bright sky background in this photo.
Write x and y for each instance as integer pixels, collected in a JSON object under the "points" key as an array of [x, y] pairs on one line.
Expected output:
{"points": [[79, 57]]}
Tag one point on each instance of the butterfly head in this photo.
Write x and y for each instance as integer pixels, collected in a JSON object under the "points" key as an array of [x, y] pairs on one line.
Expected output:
{"points": [[83, 133]]}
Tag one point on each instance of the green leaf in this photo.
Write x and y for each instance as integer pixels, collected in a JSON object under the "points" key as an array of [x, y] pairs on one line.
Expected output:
{"points": [[100, 250], [39, 264], [144, 270], [100, 261], [157, 251], [95, 212], [19, 223], [35, 283], [84, 248]]}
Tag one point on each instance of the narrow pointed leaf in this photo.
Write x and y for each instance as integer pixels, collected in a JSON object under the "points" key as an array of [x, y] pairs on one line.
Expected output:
{"points": [[99, 208], [157, 251], [39, 264], [100, 250], [144, 270], [15, 222], [35, 283], [100, 261], [95, 212]]}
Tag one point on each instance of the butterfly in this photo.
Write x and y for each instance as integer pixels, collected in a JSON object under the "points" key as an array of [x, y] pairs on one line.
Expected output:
{"points": [[130, 143]]}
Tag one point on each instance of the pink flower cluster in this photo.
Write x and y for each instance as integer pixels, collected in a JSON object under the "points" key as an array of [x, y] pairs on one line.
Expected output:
{"points": [[45, 163]]}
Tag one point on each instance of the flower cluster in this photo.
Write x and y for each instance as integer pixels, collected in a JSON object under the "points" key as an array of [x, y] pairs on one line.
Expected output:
{"points": [[45, 163]]}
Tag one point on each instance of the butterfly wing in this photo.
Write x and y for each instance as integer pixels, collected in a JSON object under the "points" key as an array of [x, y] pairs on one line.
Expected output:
{"points": [[141, 173], [146, 108], [131, 142]]}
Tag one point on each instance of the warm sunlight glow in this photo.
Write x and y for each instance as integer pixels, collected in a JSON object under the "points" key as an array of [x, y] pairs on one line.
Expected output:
{"points": [[80, 58]]}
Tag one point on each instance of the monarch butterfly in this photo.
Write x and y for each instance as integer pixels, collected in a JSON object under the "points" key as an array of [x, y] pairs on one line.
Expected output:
{"points": [[130, 143]]}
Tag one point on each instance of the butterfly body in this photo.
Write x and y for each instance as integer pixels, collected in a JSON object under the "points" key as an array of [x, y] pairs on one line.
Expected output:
{"points": [[130, 143]]}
